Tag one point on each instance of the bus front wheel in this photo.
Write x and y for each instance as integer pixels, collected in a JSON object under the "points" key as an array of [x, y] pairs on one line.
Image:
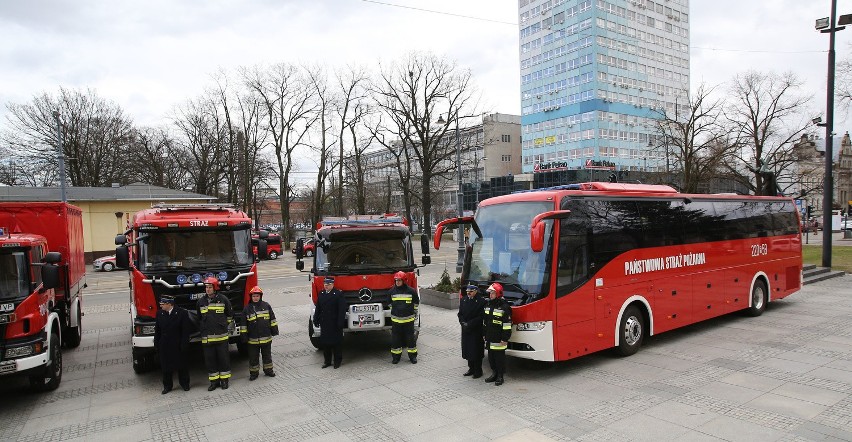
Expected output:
{"points": [[632, 330], [758, 299]]}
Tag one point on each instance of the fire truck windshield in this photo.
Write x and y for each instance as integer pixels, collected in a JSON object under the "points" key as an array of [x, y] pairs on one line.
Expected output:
{"points": [[13, 275], [503, 253], [194, 249], [364, 249]]}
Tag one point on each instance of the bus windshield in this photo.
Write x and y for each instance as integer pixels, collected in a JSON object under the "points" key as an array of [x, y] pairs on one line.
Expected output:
{"points": [[503, 252], [364, 249], [14, 279], [194, 250]]}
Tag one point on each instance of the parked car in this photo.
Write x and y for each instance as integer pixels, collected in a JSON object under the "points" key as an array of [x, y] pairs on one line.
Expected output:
{"points": [[309, 248], [846, 225], [105, 263]]}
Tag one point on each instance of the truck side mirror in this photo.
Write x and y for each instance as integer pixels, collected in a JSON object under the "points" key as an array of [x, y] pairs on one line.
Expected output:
{"points": [[300, 265], [262, 251], [120, 240], [424, 247], [300, 249], [53, 257], [122, 257], [262, 234], [50, 276]]}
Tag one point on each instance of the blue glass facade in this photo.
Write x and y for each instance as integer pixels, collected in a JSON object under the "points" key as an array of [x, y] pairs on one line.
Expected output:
{"points": [[596, 76]]}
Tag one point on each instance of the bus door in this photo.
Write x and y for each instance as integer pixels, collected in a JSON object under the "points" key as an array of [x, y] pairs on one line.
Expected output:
{"points": [[575, 305]]}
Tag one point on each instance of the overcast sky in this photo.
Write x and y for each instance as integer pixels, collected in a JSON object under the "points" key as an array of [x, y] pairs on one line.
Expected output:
{"points": [[149, 56]]}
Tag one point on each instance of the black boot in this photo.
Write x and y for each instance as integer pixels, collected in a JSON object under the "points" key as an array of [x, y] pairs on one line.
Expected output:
{"points": [[412, 358], [253, 376], [326, 364], [396, 359], [469, 372], [224, 384], [491, 378], [477, 375], [269, 373], [213, 385], [499, 380]]}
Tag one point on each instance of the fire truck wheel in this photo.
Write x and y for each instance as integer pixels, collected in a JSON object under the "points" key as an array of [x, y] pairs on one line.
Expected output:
{"points": [[758, 299], [71, 336], [632, 330], [141, 362], [51, 375], [273, 255], [314, 341]]}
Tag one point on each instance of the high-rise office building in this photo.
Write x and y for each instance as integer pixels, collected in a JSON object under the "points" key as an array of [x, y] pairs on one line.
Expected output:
{"points": [[596, 75]]}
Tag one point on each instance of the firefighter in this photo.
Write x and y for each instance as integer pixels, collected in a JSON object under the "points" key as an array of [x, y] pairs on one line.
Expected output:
{"points": [[404, 303], [497, 326], [330, 317], [470, 318], [171, 338], [258, 328], [215, 311]]}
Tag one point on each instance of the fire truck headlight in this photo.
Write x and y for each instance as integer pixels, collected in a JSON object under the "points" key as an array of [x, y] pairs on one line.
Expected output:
{"points": [[19, 352], [143, 330], [530, 326]]}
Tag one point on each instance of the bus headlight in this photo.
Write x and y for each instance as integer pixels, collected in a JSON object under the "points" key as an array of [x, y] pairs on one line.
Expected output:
{"points": [[530, 326]]}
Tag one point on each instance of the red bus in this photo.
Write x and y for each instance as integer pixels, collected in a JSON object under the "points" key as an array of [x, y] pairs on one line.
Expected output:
{"points": [[593, 266]]}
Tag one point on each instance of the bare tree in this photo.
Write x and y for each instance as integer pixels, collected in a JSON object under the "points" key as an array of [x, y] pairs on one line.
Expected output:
{"points": [[289, 112], [692, 139], [767, 116], [350, 110], [204, 140], [96, 136], [323, 137], [414, 93], [155, 150]]}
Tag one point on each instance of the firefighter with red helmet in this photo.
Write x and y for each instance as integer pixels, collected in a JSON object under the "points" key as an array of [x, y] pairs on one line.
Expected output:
{"points": [[497, 328], [258, 328], [215, 312], [404, 304]]}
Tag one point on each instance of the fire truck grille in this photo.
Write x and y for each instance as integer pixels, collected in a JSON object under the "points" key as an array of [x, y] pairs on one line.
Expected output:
{"points": [[364, 297]]}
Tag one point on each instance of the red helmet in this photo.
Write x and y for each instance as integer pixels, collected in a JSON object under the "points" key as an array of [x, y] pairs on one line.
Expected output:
{"points": [[257, 290], [212, 281], [497, 288], [399, 275]]}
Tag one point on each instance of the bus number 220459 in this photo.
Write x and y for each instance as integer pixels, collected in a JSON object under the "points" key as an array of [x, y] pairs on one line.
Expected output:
{"points": [[759, 250]]}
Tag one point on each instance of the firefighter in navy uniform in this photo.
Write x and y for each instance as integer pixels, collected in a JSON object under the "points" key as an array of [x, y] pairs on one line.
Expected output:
{"points": [[470, 318], [497, 325], [404, 304], [330, 317], [171, 338], [258, 328], [215, 311]]}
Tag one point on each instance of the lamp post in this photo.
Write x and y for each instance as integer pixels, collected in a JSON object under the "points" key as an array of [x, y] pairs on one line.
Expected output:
{"points": [[459, 197], [827, 25], [476, 173]]}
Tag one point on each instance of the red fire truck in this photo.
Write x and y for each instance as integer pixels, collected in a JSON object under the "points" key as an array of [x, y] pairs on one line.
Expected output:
{"points": [[592, 266], [42, 276], [362, 252], [169, 250]]}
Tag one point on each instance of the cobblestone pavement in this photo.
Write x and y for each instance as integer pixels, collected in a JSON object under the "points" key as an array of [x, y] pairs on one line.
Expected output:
{"points": [[784, 376]]}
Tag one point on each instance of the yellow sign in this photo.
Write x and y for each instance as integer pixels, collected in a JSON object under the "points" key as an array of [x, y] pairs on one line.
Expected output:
{"points": [[538, 141], [550, 140]]}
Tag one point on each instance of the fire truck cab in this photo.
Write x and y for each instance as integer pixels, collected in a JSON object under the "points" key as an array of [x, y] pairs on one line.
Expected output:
{"points": [[362, 252]]}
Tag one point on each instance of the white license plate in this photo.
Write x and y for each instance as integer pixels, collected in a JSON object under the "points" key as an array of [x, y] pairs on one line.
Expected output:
{"points": [[8, 367], [8, 307], [367, 308], [194, 296]]}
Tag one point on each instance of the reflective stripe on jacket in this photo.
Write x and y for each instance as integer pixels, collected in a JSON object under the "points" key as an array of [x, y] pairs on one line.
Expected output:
{"points": [[215, 313], [497, 321], [404, 304], [259, 323]]}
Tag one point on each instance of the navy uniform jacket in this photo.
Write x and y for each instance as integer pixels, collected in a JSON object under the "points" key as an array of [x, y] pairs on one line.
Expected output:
{"points": [[330, 316], [470, 317], [171, 337]]}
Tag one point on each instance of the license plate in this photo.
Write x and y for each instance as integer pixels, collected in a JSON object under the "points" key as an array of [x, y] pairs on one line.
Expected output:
{"points": [[8, 367], [7, 307], [5, 319], [194, 296], [367, 308]]}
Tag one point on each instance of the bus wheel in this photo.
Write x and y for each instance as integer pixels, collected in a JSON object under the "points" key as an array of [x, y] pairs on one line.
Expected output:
{"points": [[758, 299], [51, 375], [314, 340], [632, 329]]}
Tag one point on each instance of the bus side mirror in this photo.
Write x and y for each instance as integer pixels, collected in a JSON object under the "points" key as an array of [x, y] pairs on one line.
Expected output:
{"points": [[122, 257], [437, 238], [537, 237], [50, 276], [424, 247], [120, 240]]}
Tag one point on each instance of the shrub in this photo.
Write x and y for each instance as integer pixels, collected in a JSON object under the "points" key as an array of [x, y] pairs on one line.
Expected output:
{"points": [[445, 285]]}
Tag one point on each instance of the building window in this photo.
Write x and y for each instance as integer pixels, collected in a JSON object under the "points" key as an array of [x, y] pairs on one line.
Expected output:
{"points": [[506, 138], [506, 158]]}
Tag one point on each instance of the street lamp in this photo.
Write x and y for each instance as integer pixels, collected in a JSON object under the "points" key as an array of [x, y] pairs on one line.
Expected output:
{"points": [[459, 197], [827, 25], [476, 174]]}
